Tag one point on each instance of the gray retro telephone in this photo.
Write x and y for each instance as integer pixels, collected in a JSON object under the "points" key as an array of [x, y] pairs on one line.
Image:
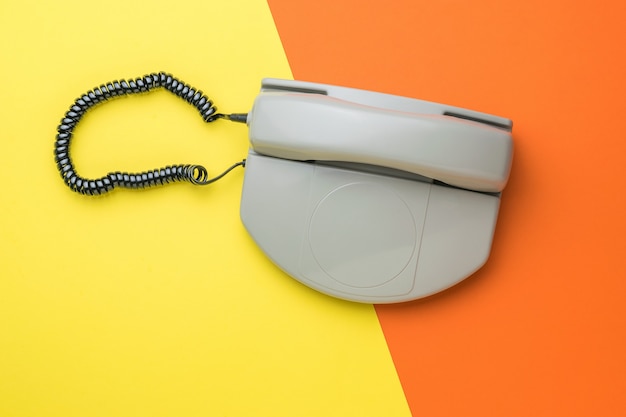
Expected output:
{"points": [[372, 197], [364, 196]]}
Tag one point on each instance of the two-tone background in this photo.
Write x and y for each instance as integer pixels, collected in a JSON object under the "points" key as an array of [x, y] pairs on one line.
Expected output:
{"points": [[157, 303]]}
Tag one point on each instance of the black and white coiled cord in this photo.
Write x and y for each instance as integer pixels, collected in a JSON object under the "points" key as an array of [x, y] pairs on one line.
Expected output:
{"points": [[196, 174]]}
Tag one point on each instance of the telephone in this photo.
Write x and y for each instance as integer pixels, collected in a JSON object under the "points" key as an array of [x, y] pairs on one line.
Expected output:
{"points": [[372, 197], [364, 196]]}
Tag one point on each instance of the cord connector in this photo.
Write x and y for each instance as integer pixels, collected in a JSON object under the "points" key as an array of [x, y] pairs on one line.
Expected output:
{"points": [[238, 117]]}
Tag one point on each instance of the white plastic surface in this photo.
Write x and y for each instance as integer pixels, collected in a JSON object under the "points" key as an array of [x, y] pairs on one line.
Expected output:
{"points": [[359, 236]]}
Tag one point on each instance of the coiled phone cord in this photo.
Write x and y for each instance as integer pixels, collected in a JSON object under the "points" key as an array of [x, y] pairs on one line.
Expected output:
{"points": [[196, 174]]}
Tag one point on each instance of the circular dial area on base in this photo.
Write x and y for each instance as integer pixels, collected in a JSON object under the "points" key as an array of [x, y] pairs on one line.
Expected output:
{"points": [[362, 235]]}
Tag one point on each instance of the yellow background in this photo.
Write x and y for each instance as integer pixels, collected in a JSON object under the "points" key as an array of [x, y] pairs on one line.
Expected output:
{"points": [[156, 302]]}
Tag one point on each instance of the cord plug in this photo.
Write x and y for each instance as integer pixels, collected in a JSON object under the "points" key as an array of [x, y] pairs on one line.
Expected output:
{"points": [[237, 117]]}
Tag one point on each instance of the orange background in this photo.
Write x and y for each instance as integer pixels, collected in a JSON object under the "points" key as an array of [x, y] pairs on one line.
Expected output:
{"points": [[540, 330]]}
